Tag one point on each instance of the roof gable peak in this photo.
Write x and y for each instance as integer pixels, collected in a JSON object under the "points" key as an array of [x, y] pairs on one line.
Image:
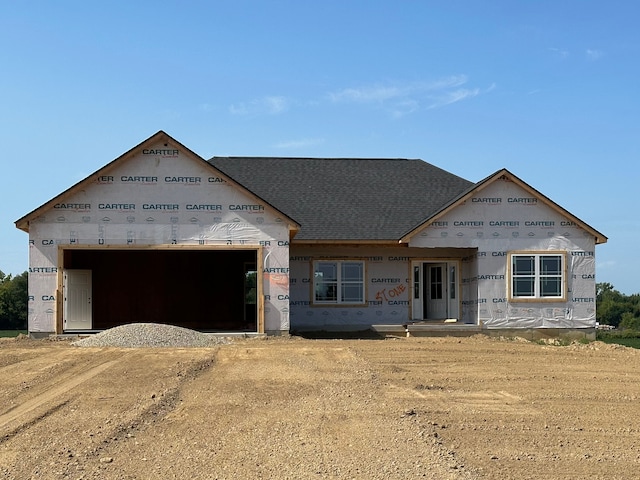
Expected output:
{"points": [[502, 175]]}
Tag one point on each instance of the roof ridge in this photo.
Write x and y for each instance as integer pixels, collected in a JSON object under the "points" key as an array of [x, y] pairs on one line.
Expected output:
{"points": [[248, 157]]}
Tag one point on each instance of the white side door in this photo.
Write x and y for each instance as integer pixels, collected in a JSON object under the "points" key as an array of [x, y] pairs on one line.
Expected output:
{"points": [[77, 300]]}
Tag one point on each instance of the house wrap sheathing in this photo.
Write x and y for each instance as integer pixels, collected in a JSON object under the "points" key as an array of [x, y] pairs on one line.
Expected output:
{"points": [[502, 218], [151, 221], [161, 235], [474, 240]]}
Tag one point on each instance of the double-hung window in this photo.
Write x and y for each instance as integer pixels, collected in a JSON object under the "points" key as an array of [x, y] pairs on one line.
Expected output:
{"points": [[338, 282], [539, 276]]}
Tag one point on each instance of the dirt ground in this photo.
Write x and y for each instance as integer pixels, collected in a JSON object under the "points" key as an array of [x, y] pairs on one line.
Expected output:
{"points": [[290, 408]]}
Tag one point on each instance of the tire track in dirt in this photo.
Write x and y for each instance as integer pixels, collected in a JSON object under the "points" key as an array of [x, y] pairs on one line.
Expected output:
{"points": [[28, 406], [267, 408], [482, 401]]}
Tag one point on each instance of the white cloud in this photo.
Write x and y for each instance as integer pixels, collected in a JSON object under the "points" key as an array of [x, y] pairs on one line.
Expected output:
{"points": [[382, 93], [594, 55], [402, 108], [447, 82], [559, 52], [275, 104], [270, 105], [405, 98], [456, 96], [397, 99], [366, 94]]}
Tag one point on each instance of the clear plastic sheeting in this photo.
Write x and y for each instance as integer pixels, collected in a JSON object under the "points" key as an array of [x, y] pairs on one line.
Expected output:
{"points": [[159, 197], [455, 269], [386, 283], [503, 219]]}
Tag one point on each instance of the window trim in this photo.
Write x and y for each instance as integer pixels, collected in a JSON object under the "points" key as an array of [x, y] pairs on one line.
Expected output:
{"points": [[538, 276], [339, 283]]}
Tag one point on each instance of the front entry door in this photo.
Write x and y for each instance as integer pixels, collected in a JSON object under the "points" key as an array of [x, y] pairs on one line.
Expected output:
{"points": [[77, 299], [435, 290]]}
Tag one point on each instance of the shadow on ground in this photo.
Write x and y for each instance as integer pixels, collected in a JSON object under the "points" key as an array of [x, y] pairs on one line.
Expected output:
{"points": [[326, 335]]}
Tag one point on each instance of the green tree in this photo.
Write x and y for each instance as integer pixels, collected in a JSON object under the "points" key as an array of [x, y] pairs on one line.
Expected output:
{"points": [[614, 308], [610, 305], [629, 321], [13, 301]]}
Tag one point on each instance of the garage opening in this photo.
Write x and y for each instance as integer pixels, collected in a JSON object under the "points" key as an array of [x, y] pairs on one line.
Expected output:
{"points": [[205, 290]]}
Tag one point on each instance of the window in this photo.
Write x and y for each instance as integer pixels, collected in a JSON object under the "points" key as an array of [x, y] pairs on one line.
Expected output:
{"points": [[537, 276], [435, 282], [338, 282]]}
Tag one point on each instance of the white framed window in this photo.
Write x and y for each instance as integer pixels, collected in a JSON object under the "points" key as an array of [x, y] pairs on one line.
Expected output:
{"points": [[338, 282], [537, 276]]}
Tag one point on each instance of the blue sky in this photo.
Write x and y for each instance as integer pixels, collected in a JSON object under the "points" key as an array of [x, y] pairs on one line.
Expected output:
{"points": [[546, 89]]}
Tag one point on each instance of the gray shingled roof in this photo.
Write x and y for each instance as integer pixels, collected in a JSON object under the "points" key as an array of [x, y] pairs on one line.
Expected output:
{"points": [[347, 198]]}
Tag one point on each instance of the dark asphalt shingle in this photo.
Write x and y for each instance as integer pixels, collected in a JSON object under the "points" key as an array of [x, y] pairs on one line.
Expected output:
{"points": [[347, 198]]}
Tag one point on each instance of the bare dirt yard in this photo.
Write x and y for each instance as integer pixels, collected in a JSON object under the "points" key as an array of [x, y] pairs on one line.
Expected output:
{"points": [[291, 408]]}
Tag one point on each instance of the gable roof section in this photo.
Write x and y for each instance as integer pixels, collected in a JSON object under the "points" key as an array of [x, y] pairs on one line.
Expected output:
{"points": [[342, 200], [500, 174], [347, 199], [159, 137]]}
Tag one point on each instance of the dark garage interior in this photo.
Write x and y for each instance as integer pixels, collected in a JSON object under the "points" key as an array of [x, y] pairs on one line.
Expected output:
{"points": [[205, 290]]}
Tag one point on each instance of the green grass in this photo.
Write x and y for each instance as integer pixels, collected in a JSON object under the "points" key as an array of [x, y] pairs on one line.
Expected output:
{"points": [[627, 342], [12, 333], [628, 338]]}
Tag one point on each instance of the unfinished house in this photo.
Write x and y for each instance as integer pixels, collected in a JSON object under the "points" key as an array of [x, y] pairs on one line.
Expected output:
{"points": [[276, 245]]}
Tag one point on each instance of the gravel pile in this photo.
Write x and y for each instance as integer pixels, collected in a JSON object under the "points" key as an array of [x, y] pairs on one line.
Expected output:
{"points": [[150, 335]]}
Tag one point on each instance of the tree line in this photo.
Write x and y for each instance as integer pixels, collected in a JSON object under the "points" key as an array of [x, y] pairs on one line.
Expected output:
{"points": [[612, 307], [14, 296], [617, 309]]}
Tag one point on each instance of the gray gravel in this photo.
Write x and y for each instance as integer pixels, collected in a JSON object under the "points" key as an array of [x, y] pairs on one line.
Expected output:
{"points": [[150, 335]]}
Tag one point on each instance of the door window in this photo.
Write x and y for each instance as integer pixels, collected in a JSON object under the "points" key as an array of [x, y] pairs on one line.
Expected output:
{"points": [[436, 282]]}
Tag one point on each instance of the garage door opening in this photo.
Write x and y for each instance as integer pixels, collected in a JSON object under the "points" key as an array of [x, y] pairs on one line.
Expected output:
{"points": [[205, 290]]}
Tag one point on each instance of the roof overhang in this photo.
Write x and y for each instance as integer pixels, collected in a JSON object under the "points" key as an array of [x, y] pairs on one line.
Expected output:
{"points": [[390, 243], [500, 175], [160, 137]]}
